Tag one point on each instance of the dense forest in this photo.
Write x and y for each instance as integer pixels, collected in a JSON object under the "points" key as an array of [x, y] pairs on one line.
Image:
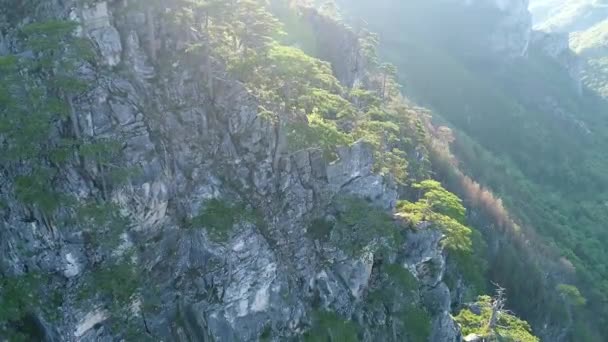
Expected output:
{"points": [[524, 129], [210, 170]]}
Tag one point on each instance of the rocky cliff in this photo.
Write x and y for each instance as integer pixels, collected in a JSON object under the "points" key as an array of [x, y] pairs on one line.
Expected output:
{"points": [[567, 16], [190, 149], [511, 33], [584, 23], [507, 114]]}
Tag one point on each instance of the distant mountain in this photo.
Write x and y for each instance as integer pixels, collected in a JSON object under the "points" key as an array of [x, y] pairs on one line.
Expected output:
{"points": [[569, 15], [586, 21], [525, 127]]}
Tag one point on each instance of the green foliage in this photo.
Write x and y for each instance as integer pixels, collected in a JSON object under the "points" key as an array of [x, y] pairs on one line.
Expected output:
{"points": [[34, 190], [472, 266], [592, 45], [443, 209], [398, 295], [34, 101], [595, 75], [385, 136], [571, 294], [238, 30], [403, 279], [292, 64], [18, 295], [219, 217], [327, 326], [389, 73], [328, 105], [442, 201], [396, 283], [46, 37], [35, 106], [118, 282], [288, 81], [266, 335], [359, 226], [417, 323], [508, 327], [294, 73], [298, 32], [104, 221], [318, 133], [253, 25], [369, 42], [320, 229], [396, 133], [522, 130], [105, 155]]}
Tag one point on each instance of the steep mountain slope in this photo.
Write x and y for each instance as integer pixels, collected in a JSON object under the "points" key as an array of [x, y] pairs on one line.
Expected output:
{"points": [[592, 46], [526, 128], [182, 171], [567, 15], [586, 22]]}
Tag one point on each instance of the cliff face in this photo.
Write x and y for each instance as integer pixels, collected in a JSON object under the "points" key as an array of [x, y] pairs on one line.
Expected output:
{"points": [[486, 31], [557, 47], [188, 149], [584, 23], [511, 33], [567, 16], [512, 113]]}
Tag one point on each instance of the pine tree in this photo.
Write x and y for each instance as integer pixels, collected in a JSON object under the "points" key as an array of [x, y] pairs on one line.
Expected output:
{"points": [[36, 102]]}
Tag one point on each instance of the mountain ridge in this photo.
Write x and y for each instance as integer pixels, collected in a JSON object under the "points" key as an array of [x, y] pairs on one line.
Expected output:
{"points": [[543, 100], [254, 170]]}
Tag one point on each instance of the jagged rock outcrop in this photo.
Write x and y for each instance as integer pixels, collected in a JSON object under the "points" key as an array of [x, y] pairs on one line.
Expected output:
{"points": [[585, 27], [336, 42], [592, 43], [96, 25], [567, 15], [557, 46], [425, 259], [511, 29], [188, 148]]}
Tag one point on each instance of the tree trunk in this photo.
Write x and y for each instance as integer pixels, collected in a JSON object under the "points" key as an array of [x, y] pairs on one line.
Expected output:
{"points": [[73, 117], [279, 146], [497, 305], [383, 86], [104, 186]]}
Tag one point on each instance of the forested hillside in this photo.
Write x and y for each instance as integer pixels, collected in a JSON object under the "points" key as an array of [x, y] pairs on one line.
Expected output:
{"points": [[586, 23], [252, 170], [524, 128], [224, 171]]}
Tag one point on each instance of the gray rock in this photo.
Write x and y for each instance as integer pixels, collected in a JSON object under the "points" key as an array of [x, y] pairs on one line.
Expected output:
{"points": [[189, 144], [445, 329], [476, 309], [472, 338], [356, 273], [352, 174], [511, 32], [73, 264], [425, 258], [95, 21], [557, 46]]}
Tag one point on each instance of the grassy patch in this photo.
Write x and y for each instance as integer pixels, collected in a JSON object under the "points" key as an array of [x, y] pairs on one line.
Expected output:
{"points": [[219, 217], [328, 326], [360, 225]]}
